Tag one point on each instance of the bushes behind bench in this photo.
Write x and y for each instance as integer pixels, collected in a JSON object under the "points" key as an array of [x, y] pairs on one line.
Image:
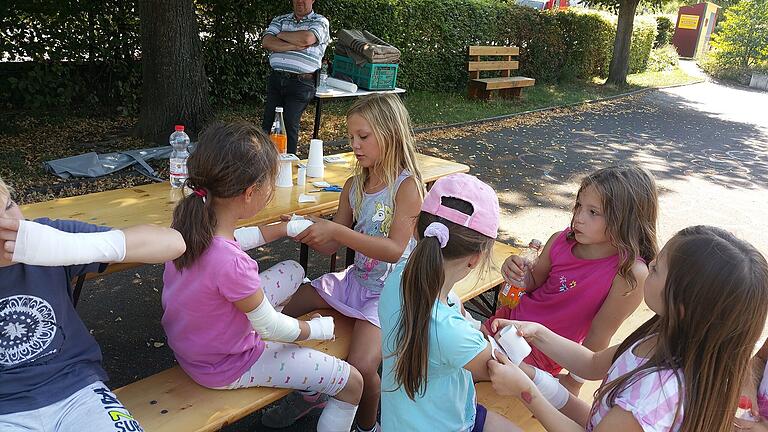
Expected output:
{"points": [[96, 58]]}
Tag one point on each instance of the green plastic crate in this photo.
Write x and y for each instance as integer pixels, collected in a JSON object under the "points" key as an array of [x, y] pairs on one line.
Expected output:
{"points": [[371, 76]]}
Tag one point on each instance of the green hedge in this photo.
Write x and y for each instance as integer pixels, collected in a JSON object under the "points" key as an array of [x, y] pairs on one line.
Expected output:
{"points": [[643, 36], [432, 35]]}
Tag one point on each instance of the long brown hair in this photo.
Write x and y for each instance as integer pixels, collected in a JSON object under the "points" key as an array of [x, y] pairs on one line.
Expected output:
{"points": [[423, 279], [715, 304], [630, 204], [391, 125], [229, 158]]}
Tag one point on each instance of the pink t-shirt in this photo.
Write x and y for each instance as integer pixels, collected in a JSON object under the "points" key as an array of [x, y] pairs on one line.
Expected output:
{"points": [[569, 298], [762, 393], [212, 340], [652, 399]]}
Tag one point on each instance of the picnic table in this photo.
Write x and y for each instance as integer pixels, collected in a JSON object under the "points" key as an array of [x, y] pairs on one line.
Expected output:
{"points": [[331, 93], [154, 203]]}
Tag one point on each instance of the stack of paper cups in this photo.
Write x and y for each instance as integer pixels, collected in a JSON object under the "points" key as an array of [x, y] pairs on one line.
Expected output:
{"points": [[285, 174], [315, 167]]}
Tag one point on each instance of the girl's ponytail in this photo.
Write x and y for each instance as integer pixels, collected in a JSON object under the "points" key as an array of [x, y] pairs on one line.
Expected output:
{"points": [[194, 217], [423, 278]]}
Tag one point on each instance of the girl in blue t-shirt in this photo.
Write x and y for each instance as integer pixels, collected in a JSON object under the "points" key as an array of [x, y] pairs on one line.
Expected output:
{"points": [[432, 355], [50, 365]]}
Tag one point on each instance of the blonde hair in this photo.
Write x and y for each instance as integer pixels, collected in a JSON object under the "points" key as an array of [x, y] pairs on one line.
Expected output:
{"points": [[5, 189], [391, 125]]}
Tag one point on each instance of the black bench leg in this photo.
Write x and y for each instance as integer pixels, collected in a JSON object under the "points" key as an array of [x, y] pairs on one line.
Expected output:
{"points": [[333, 262], [304, 256], [78, 289]]}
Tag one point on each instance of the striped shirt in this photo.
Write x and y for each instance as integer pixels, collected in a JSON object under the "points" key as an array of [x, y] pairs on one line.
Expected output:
{"points": [[307, 60], [652, 399]]}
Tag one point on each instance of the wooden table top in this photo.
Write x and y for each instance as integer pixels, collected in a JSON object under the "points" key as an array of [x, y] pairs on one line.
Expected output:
{"points": [[154, 203]]}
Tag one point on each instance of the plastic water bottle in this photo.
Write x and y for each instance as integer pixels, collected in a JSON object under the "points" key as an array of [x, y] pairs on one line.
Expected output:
{"points": [[180, 142], [323, 78], [278, 133], [744, 411], [510, 294]]}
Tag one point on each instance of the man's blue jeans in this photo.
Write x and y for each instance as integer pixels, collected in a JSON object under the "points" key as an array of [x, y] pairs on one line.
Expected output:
{"points": [[292, 92]]}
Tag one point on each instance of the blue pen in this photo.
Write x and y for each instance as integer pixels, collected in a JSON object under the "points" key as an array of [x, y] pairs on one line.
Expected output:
{"points": [[332, 188]]}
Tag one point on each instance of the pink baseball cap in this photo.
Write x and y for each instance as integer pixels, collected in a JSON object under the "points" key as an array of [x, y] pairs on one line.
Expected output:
{"points": [[484, 219]]}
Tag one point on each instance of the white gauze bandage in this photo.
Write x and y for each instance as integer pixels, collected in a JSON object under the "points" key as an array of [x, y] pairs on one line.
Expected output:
{"points": [[297, 225], [321, 328], [337, 416], [550, 388], [38, 244], [276, 326], [249, 237], [273, 325]]}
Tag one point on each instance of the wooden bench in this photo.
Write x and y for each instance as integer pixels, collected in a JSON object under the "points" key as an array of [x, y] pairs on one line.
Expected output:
{"points": [[171, 401], [508, 406], [508, 86]]}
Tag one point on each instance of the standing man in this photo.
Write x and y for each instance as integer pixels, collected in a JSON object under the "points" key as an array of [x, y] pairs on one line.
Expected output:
{"points": [[296, 42]]}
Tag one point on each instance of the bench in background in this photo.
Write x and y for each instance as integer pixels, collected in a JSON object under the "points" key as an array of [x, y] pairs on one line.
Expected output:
{"points": [[508, 86]]}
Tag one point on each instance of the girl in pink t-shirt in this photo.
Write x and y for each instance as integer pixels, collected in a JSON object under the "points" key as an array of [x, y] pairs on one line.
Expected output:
{"points": [[589, 277], [220, 314], [679, 371]]}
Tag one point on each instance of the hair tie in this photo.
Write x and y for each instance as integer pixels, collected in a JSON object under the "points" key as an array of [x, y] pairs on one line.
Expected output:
{"points": [[439, 231], [201, 192]]}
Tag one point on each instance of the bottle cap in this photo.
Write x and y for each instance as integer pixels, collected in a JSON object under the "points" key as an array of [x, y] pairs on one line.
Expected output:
{"points": [[179, 128], [278, 109], [745, 402], [535, 244]]}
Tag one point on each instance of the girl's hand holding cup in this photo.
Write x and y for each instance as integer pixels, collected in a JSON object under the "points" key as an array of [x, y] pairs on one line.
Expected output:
{"points": [[530, 331]]}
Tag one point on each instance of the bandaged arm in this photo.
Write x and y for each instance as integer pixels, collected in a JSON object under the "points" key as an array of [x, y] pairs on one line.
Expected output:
{"points": [[550, 388], [273, 325], [38, 244], [43, 245]]}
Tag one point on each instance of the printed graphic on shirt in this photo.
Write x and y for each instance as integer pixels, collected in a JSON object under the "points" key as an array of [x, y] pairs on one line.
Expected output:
{"points": [[382, 218], [28, 330], [565, 285]]}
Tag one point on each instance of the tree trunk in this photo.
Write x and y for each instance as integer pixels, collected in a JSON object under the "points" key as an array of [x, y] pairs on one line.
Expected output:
{"points": [[617, 72], [175, 87]]}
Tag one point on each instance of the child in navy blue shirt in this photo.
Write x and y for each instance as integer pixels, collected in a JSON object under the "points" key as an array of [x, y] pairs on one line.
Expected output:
{"points": [[50, 366]]}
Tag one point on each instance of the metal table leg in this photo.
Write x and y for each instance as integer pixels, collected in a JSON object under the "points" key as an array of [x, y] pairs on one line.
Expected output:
{"points": [[318, 113]]}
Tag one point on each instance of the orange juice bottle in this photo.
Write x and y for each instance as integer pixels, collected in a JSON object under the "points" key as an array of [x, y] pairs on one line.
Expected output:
{"points": [[510, 294], [277, 133]]}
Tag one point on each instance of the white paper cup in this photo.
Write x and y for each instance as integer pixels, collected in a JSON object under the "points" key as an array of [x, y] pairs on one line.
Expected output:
{"points": [[514, 345], [301, 176], [284, 175], [316, 171]]}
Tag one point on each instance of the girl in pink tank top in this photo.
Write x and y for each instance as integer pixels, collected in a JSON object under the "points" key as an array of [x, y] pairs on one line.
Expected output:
{"points": [[589, 277]]}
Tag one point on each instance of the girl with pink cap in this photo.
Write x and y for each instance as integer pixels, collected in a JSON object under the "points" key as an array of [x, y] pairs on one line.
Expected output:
{"points": [[432, 355]]}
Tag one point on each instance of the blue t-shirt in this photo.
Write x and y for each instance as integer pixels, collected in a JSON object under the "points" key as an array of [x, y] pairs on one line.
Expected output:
{"points": [[448, 404], [46, 352]]}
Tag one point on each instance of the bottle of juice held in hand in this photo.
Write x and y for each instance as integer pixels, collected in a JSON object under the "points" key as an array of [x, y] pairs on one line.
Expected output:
{"points": [[510, 295]]}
